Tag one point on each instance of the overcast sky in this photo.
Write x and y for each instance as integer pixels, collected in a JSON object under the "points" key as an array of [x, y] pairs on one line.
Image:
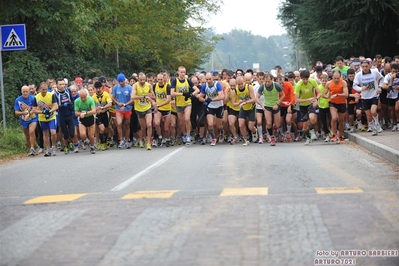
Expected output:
{"points": [[257, 16]]}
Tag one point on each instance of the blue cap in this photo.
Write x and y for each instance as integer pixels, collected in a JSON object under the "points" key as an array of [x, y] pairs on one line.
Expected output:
{"points": [[121, 77]]}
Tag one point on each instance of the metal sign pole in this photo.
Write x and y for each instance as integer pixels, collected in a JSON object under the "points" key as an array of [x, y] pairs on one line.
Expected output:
{"points": [[3, 105]]}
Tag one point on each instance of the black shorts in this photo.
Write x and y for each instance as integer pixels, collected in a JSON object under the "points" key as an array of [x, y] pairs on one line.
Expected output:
{"points": [[215, 111], [367, 103], [232, 112], [354, 106], [305, 111], [259, 111], [250, 113], [283, 111], [87, 121], [103, 119], [164, 113], [341, 108], [270, 109], [392, 102], [383, 97], [143, 114], [173, 113]]}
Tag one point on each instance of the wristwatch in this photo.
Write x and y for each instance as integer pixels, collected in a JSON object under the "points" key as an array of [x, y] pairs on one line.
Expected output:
{"points": [[124, 105]]}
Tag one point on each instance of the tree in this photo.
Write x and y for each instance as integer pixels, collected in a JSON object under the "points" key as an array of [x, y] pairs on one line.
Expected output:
{"points": [[326, 29]]}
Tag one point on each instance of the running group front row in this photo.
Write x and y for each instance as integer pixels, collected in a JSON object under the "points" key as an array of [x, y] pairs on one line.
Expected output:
{"points": [[203, 108]]}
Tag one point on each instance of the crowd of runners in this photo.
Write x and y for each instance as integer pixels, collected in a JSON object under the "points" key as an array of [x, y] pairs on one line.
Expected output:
{"points": [[149, 110]]}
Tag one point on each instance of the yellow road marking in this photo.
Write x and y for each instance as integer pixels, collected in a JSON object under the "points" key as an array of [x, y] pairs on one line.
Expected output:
{"points": [[159, 194], [246, 191], [55, 198], [337, 190]]}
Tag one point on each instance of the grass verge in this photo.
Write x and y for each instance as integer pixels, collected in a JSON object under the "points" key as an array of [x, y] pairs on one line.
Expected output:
{"points": [[12, 143]]}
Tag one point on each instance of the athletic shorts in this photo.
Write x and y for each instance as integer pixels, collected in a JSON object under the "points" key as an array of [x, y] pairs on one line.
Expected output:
{"points": [[270, 109], [392, 102], [232, 112], [164, 113], [305, 111], [215, 111], [367, 103], [354, 106], [125, 115], [143, 114], [383, 97], [259, 111], [341, 108], [173, 113], [48, 125], [247, 113], [25, 124], [283, 111], [87, 121], [112, 114], [180, 109], [103, 119]]}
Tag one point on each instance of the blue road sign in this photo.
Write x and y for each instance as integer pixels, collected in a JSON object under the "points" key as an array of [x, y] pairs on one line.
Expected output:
{"points": [[13, 37]]}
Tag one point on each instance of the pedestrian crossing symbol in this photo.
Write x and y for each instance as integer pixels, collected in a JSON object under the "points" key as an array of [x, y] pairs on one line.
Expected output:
{"points": [[13, 37], [13, 40]]}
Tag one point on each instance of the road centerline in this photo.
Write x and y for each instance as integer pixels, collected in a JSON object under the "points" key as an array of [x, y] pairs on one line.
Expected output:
{"points": [[146, 170]]}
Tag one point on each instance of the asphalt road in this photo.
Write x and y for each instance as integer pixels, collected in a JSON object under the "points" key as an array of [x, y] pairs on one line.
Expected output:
{"points": [[200, 205]]}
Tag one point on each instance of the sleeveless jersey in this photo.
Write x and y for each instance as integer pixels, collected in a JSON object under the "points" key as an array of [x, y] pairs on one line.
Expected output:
{"points": [[182, 87], [142, 105], [229, 103], [45, 102], [161, 95], [271, 97], [246, 96], [335, 89], [102, 99]]}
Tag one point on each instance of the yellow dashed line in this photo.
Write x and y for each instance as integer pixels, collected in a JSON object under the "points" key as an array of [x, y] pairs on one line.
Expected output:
{"points": [[55, 198], [249, 191], [160, 194], [337, 190]]}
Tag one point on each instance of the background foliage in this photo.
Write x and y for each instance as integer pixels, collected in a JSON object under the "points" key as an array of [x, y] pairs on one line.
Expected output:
{"points": [[69, 38], [326, 29]]}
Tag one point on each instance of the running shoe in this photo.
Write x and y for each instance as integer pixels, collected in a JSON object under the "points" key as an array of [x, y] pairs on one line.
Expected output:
{"points": [[179, 141], [328, 139], [70, 146], [363, 128], [230, 139], [352, 129], [281, 138], [233, 141], [48, 153], [288, 137], [273, 141], [246, 143], [32, 152], [167, 142], [128, 145], [148, 145], [141, 144], [40, 150], [92, 150], [374, 131], [66, 149], [122, 144], [334, 138], [313, 135], [296, 139], [53, 150], [203, 142], [159, 141], [341, 140], [370, 127], [260, 140], [255, 135], [394, 128], [76, 149], [213, 142], [221, 138], [154, 143], [378, 127], [188, 141], [308, 140]]}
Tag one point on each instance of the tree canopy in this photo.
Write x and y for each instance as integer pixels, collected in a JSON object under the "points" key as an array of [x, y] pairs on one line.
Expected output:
{"points": [[326, 29], [69, 38], [240, 49]]}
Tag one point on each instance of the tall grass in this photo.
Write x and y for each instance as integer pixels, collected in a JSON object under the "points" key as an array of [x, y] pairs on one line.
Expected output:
{"points": [[12, 142]]}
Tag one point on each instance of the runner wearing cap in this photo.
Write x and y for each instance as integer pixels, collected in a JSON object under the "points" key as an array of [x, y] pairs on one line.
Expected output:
{"points": [[121, 96]]}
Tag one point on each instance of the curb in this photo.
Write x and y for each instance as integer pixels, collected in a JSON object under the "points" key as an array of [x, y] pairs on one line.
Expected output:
{"points": [[382, 150]]}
